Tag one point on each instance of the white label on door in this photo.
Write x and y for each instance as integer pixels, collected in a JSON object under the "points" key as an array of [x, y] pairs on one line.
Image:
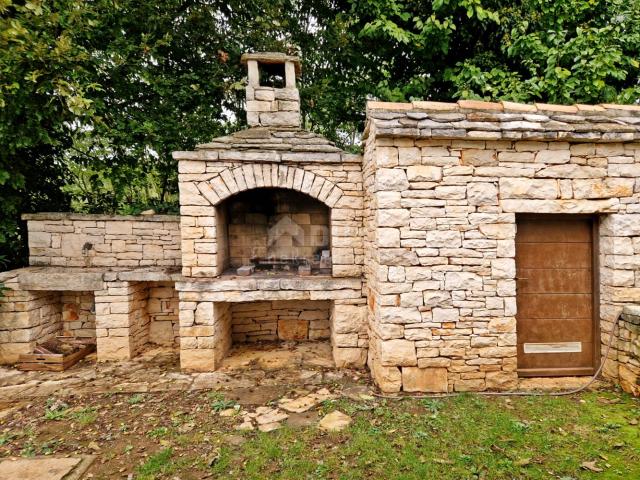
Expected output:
{"points": [[556, 347]]}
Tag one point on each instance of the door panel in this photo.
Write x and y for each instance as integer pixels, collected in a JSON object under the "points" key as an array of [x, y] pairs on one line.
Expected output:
{"points": [[555, 293], [570, 280]]}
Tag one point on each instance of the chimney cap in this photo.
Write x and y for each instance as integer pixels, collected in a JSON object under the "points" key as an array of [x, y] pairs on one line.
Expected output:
{"points": [[272, 58]]}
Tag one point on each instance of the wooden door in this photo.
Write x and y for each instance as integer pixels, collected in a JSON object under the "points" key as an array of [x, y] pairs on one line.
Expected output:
{"points": [[556, 328]]}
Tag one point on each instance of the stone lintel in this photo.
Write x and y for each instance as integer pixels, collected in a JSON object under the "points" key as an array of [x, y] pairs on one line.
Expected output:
{"points": [[272, 58]]}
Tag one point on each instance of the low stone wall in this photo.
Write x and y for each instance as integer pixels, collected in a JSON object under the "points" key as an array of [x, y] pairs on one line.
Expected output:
{"points": [[74, 240], [628, 346], [284, 320]]}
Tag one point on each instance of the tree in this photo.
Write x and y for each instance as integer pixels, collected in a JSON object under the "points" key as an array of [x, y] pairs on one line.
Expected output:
{"points": [[566, 51], [45, 79]]}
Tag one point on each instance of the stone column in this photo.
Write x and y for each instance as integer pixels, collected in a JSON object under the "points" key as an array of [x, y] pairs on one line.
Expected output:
{"points": [[205, 334], [122, 323], [349, 334], [619, 285], [26, 318]]}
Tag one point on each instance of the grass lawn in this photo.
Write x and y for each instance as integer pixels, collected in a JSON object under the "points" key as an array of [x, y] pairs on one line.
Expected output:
{"points": [[180, 435]]}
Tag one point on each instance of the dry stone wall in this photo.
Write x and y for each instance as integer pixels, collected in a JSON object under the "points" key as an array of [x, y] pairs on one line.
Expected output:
{"points": [[26, 318], [280, 320], [78, 314], [73, 240], [442, 279], [122, 322], [628, 349]]}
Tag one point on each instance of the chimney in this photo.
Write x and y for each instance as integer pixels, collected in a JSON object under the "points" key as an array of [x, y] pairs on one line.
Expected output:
{"points": [[272, 97]]}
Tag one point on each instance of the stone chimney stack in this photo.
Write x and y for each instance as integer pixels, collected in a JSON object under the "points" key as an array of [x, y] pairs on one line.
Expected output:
{"points": [[272, 97]]}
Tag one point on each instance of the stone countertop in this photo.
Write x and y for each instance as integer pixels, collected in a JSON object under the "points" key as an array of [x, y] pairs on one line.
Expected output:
{"points": [[84, 279], [92, 278]]}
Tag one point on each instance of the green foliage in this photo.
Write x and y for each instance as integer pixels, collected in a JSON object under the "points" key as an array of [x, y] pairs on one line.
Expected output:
{"points": [[156, 464], [135, 399], [219, 403], [158, 432], [568, 51], [85, 416]]}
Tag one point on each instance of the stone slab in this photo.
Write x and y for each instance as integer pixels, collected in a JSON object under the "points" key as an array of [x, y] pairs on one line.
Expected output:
{"points": [[41, 468], [58, 281]]}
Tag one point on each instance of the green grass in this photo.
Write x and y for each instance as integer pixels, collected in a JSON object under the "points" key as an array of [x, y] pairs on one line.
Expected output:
{"points": [[85, 416], [158, 463], [158, 432], [458, 438], [136, 399]]}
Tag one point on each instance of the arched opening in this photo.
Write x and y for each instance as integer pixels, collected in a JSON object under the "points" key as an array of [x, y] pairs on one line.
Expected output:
{"points": [[273, 231]]}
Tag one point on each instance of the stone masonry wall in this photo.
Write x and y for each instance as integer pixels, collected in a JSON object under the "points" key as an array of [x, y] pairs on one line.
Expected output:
{"points": [[78, 314], [280, 320], [26, 318], [162, 308], [442, 280], [122, 322], [628, 355], [209, 176], [74, 240]]}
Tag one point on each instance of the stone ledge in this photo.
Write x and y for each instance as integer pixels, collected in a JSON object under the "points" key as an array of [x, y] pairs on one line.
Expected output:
{"points": [[84, 279], [55, 216], [59, 281], [246, 284]]}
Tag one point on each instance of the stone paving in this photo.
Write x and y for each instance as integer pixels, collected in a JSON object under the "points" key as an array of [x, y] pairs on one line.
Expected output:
{"points": [[45, 468], [158, 370]]}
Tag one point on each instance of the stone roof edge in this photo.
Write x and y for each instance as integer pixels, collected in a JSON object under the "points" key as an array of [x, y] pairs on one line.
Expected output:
{"points": [[466, 106], [97, 216], [270, 145], [479, 120]]}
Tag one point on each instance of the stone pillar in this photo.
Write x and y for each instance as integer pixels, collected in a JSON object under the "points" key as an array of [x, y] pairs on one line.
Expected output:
{"points": [[26, 318], [349, 335], [205, 334], [620, 288], [629, 349], [122, 323]]}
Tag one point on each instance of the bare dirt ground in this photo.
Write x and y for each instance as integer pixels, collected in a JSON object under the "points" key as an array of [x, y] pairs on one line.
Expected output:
{"points": [[284, 412]]}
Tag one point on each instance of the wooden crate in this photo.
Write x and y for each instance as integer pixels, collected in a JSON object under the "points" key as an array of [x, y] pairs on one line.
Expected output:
{"points": [[53, 362]]}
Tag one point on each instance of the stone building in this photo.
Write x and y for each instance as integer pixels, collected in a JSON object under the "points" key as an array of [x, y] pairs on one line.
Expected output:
{"points": [[472, 245]]}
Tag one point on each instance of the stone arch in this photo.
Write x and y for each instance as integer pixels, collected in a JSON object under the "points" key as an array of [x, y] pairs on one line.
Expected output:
{"points": [[266, 175]]}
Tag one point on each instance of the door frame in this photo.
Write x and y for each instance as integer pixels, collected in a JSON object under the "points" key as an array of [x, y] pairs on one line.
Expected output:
{"points": [[595, 297]]}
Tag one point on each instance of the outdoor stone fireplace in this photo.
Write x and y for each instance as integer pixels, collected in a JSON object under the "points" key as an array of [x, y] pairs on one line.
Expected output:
{"points": [[273, 230], [420, 258]]}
